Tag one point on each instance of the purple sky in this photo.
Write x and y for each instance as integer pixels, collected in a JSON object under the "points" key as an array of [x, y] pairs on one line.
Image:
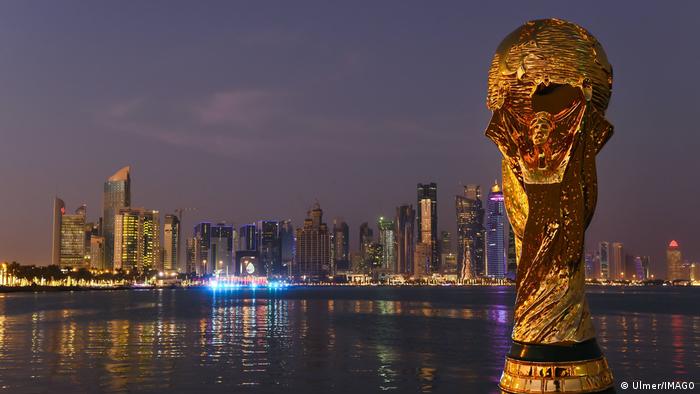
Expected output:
{"points": [[253, 110]]}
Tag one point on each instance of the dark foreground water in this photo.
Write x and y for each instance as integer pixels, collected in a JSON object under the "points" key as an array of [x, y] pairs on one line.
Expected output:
{"points": [[315, 340]]}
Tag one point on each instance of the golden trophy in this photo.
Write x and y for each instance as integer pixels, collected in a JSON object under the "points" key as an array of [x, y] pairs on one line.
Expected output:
{"points": [[549, 85]]}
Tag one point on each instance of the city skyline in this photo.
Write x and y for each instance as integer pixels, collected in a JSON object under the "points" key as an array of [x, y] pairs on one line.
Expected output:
{"points": [[86, 119]]}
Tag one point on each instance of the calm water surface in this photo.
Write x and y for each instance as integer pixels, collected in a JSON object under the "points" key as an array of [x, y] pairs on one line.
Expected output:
{"points": [[315, 340]]}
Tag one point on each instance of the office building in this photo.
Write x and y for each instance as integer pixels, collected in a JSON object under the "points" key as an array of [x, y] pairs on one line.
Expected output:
{"points": [[136, 239], [405, 239], [68, 238], [340, 246], [117, 195], [617, 262], [470, 230], [287, 245], [313, 247], [428, 222], [387, 238], [496, 237], [270, 247], [604, 257], [674, 262], [171, 238]]}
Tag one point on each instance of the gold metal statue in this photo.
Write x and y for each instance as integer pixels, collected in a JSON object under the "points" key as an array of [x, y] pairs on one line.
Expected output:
{"points": [[549, 85]]}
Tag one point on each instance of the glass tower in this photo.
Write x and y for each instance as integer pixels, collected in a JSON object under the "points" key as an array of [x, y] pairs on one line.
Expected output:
{"points": [[496, 234], [427, 222], [117, 195]]}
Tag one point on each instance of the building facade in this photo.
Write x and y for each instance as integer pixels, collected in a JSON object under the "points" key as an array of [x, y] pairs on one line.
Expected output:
{"points": [[617, 262], [387, 238], [674, 262], [313, 247], [428, 222], [340, 246], [470, 230], [270, 247], [117, 195], [171, 239], [405, 239], [496, 237], [69, 237], [136, 239]]}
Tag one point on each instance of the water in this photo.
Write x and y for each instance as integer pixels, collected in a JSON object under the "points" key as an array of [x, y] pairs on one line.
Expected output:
{"points": [[315, 340]]}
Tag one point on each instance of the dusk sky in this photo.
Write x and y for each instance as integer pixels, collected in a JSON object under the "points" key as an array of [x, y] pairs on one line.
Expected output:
{"points": [[254, 110]]}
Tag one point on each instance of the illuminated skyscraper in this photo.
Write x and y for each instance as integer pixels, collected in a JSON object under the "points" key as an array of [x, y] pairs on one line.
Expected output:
{"points": [[247, 238], [136, 239], [427, 222], [190, 255], [97, 252], [117, 195], [674, 262], [171, 235], [68, 246], [270, 247], [604, 256], [202, 243], [470, 229], [387, 238], [496, 237], [617, 262], [221, 249], [313, 247], [341, 246], [405, 239]]}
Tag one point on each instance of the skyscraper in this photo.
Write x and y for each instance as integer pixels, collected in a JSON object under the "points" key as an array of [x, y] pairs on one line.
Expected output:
{"points": [[313, 247], [202, 243], [427, 222], [287, 246], [405, 239], [604, 256], [496, 237], [171, 235], [117, 195], [470, 230], [617, 262], [221, 249], [270, 247], [387, 238], [247, 238], [97, 252], [136, 239], [366, 238], [68, 245], [341, 246], [674, 262]]}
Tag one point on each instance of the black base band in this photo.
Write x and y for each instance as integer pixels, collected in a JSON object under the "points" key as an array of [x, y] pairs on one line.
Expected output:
{"points": [[587, 350]]}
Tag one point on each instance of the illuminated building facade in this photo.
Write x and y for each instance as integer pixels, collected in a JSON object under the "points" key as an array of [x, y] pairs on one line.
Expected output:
{"points": [[313, 247], [366, 237], [247, 238], [422, 260], [97, 252], [448, 259], [117, 195], [68, 241], [387, 238], [405, 239], [136, 239], [496, 237], [604, 257], [470, 230], [427, 222], [674, 262], [617, 262], [221, 249], [171, 237]]}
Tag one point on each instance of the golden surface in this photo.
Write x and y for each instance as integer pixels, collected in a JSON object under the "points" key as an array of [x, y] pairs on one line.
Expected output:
{"points": [[586, 376], [549, 86]]}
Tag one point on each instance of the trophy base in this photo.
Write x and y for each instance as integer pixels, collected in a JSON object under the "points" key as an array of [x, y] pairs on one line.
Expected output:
{"points": [[579, 368]]}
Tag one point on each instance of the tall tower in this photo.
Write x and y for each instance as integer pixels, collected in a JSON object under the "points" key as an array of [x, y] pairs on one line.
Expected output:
{"points": [[387, 238], [117, 195], [313, 247], [270, 248], [171, 234], [470, 229], [604, 256], [287, 246], [341, 246], [617, 262], [427, 222], [674, 261], [202, 243], [366, 238], [59, 208], [405, 239], [496, 234], [220, 256]]}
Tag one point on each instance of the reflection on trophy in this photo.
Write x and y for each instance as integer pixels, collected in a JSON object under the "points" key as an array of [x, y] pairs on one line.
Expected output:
{"points": [[549, 85]]}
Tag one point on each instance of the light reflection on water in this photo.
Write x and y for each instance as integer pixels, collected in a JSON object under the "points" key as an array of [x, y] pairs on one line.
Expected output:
{"points": [[315, 340]]}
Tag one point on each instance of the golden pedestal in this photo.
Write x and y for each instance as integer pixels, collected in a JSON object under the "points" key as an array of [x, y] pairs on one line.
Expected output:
{"points": [[590, 374]]}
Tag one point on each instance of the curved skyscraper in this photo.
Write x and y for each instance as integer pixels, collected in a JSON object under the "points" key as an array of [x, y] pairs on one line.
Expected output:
{"points": [[496, 234], [117, 195]]}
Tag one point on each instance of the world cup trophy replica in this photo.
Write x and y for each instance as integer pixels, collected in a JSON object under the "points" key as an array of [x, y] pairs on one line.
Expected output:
{"points": [[549, 85]]}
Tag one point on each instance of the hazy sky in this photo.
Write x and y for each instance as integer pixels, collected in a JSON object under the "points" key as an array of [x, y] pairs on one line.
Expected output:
{"points": [[252, 110]]}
